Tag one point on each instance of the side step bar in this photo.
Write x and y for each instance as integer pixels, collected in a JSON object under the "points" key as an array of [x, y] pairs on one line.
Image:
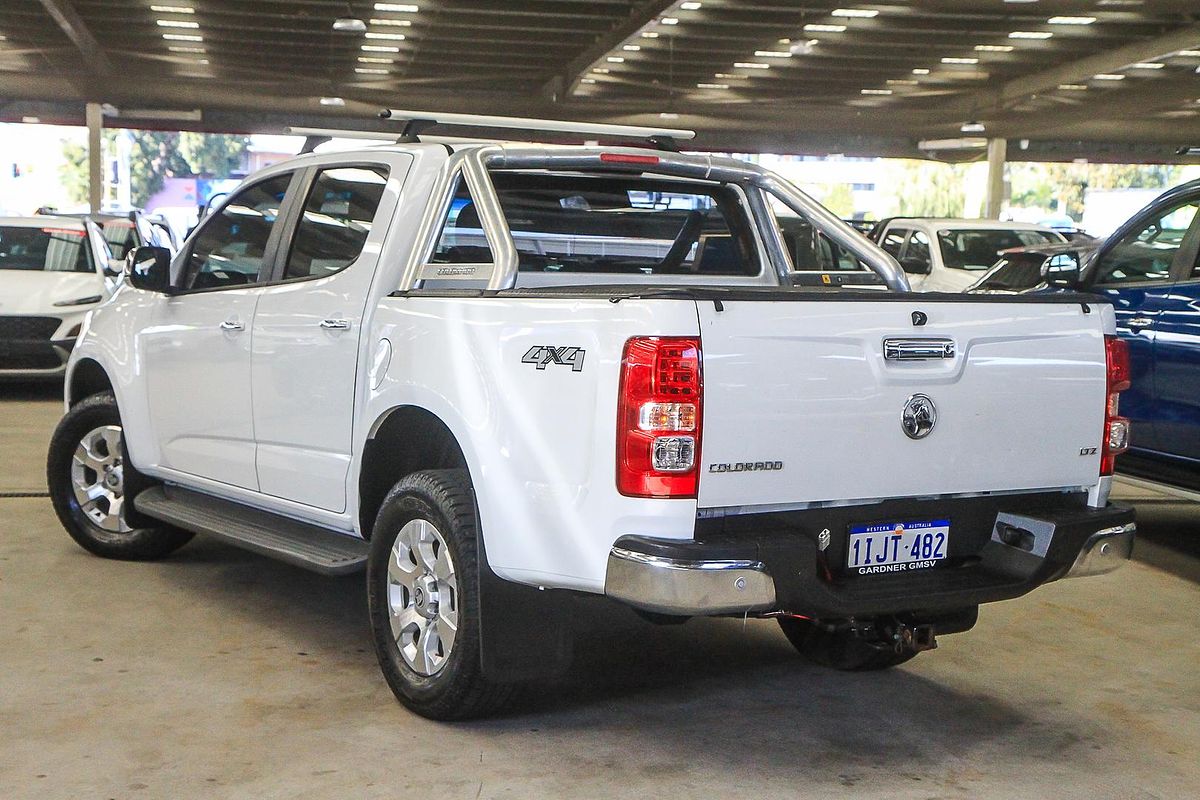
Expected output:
{"points": [[262, 532]]}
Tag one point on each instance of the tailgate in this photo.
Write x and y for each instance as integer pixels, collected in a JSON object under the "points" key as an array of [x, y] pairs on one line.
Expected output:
{"points": [[801, 406]]}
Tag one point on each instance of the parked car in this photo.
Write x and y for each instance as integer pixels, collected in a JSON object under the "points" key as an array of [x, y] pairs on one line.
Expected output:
{"points": [[53, 271], [501, 376], [948, 255], [1149, 269], [127, 230]]}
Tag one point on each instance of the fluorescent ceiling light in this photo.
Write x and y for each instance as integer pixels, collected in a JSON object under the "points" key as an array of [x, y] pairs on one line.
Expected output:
{"points": [[1071, 20], [349, 25], [380, 48], [176, 23], [875, 91], [649, 34], [994, 48], [615, 60], [712, 85], [1109, 76], [668, 115], [371, 71], [1147, 65], [182, 37], [601, 70], [632, 47], [332, 101], [587, 80], [920, 71], [861, 13], [395, 37], [173, 9], [1030, 35], [669, 20], [181, 49], [772, 53], [973, 127], [728, 75], [902, 82], [373, 60], [394, 23], [954, 60], [816, 28], [751, 65], [1073, 87], [690, 6], [401, 8]]}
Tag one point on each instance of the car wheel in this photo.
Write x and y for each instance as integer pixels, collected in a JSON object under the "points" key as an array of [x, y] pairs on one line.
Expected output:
{"points": [[423, 597], [91, 482], [839, 648]]}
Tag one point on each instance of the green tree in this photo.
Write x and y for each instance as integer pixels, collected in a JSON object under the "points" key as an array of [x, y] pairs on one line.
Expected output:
{"points": [[215, 155], [929, 188], [74, 171], [1061, 187], [840, 200]]}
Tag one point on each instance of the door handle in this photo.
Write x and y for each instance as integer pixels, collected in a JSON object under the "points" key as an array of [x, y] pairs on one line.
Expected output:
{"points": [[917, 349], [1139, 322], [232, 325], [335, 324]]}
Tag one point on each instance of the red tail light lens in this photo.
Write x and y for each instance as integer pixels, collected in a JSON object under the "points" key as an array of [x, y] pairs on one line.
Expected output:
{"points": [[1116, 427], [659, 417]]}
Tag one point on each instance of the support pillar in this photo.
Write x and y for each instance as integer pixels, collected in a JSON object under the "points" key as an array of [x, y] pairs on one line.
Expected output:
{"points": [[997, 154], [95, 121]]}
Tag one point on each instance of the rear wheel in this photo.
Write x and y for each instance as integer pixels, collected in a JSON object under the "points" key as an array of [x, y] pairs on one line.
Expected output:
{"points": [[423, 595], [841, 647], [91, 481]]}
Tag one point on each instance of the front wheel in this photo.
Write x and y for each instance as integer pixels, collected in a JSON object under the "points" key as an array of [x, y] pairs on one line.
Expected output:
{"points": [[89, 473], [423, 597]]}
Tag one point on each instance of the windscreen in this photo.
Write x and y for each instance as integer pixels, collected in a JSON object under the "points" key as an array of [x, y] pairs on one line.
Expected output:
{"points": [[46, 249], [610, 224], [980, 249]]}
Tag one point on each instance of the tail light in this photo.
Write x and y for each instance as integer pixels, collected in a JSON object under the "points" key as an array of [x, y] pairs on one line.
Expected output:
{"points": [[1116, 427], [658, 417]]}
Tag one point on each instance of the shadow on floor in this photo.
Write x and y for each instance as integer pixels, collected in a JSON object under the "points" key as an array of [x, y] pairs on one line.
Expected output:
{"points": [[32, 390], [1168, 536]]}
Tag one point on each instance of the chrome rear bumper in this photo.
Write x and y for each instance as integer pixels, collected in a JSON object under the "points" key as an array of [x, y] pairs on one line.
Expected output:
{"points": [[675, 586], [1104, 551]]}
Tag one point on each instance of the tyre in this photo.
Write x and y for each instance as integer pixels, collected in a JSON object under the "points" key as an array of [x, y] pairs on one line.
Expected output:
{"points": [[423, 597], [91, 479], [840, 648]]}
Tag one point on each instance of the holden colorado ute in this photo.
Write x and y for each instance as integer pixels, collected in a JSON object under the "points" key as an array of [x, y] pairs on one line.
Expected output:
{"points": [[498, 376]]}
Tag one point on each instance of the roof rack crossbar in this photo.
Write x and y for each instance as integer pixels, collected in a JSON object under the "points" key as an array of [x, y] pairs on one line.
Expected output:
{"points": [[664, 137]]}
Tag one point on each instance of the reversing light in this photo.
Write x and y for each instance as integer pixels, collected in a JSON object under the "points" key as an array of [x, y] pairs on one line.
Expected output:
{"points": [[659, 417]]}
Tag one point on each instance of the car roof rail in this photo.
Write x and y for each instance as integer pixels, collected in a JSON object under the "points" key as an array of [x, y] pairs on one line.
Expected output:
{"points": [[417, 121]]}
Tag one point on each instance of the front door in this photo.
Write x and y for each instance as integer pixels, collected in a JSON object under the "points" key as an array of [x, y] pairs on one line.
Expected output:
{"points": [[308, 328], [197, 352]]}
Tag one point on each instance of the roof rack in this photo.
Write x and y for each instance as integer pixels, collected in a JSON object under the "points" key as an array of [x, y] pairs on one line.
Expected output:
{"points": [[417, 121]]}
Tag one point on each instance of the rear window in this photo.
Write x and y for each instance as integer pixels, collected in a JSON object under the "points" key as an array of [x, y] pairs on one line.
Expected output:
{"points": [[609, 224], [120, 235], [46, 249], [980, 249]]}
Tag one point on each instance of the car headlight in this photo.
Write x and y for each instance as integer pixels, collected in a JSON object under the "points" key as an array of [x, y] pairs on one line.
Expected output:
{"points": [[81, 301]]}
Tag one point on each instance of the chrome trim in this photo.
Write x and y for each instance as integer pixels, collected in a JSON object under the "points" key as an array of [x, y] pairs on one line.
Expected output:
{"points": [[1104, 551], [687, 588], [897, 349]]}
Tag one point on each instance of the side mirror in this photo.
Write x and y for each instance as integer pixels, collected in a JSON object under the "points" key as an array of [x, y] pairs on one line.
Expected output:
{"points": [[114, 268], [149, 269], [914, 265], [1062, 271]]}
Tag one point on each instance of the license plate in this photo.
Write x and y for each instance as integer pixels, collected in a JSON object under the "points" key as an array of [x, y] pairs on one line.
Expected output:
{"points": [[897, 546]]}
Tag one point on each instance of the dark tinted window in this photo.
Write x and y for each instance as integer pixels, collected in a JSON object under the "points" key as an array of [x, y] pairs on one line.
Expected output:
{"points": [[918, 247], [120, 235], [981, 248], [1146, 255], [893, 240], [230, 247], [337, 219], [46, 249], [812, 251], [610, 224]]}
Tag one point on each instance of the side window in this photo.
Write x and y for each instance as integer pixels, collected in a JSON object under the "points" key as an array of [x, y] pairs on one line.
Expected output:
{"points": [[336, 220], [229, 249], [1146, 255], [918, 247], [893, 240], [462, 240]]}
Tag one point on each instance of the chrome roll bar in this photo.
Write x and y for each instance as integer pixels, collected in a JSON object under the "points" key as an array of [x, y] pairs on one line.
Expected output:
{"points": [[473, 163]]}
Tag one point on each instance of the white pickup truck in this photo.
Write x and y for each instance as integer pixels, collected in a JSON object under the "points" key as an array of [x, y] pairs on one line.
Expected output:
{"points": [[498, 376]]}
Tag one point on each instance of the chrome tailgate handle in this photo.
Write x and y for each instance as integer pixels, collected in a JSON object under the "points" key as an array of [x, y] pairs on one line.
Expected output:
{"points": [[917, 349]]}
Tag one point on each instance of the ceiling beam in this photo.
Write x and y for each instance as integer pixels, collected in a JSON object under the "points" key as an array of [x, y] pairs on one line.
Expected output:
{"points": [[67, 18], [640, 15]]}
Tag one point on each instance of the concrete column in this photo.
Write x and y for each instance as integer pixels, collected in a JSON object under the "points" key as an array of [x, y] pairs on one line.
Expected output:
{"points": [[997, 153], [95, 121]]}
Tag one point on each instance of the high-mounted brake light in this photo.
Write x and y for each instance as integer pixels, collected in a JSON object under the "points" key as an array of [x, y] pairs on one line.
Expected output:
{"points": [[627, 158], [659, 417], [1116, 427]]}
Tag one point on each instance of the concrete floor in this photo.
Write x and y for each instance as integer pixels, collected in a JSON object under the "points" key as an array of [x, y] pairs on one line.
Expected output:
{"points": [[217, 673]]}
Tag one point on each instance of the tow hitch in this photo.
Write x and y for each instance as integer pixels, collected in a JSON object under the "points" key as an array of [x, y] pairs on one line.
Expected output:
{"points": [[915, 638]]}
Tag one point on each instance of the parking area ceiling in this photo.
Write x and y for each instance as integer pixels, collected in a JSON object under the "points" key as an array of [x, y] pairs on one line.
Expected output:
{"points": [[749, 74]]}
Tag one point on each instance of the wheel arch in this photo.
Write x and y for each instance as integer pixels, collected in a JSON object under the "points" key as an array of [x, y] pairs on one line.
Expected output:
{"points": [[87, 377], [403, 440]]}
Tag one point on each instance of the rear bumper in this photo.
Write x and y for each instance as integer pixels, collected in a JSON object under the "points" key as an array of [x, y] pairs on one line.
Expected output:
{"points": [[794, 566]]}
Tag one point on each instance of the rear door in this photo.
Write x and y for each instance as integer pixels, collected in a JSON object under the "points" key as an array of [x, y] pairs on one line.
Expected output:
{"points": [[1137, 275], [801, 405], [308, 327]]}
